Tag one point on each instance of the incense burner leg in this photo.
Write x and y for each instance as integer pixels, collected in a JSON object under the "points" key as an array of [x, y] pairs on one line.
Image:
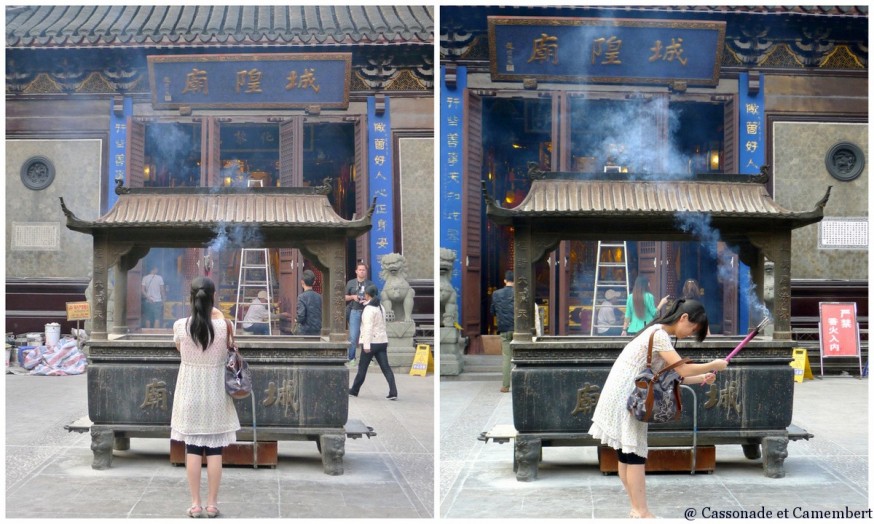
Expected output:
{"points": [[752, 451], [527, 457], [121, 444], [774, 453], [102, 439], [333, 447]]}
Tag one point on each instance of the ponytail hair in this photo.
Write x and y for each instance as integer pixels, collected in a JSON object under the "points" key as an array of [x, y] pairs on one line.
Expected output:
{"points": [[202, 301], [692, 308]]}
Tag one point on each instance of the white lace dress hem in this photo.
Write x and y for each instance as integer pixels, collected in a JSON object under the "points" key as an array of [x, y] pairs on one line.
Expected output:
{"points": [[214, 440]]}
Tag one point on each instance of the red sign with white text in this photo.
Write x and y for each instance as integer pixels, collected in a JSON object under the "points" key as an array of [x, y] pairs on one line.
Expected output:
{"points": [[838, 329]]}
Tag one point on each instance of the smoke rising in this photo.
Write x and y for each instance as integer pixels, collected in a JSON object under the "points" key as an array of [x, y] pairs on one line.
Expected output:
{"points": [[172, 143], [638, 134], [632, 136], [235, 236], [698, 225]]}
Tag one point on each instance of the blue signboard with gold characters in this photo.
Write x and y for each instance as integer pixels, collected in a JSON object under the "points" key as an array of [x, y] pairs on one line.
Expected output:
{"points": [[599, 50], [258, 80]]}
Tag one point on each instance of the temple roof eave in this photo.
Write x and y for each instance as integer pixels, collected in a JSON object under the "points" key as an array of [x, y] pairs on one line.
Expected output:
{"points": [[152, 218], [742, 207], [65, 26]]}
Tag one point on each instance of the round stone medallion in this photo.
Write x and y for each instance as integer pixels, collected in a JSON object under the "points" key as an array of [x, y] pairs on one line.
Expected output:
{"points": [[845, 161], [37, 173]]}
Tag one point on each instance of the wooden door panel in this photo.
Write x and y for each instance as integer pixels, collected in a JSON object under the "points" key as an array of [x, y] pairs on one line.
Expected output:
{"points": [[728, 262], [290, 175], [471, 241]]}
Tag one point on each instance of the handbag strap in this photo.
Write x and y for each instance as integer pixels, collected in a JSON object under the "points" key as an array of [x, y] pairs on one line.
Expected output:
{"points": [[254, 432], [230, 333], [251, 395], [666, 368], [649, 349]]}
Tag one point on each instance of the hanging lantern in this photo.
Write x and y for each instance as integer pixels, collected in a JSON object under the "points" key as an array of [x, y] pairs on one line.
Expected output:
{"points": [[713, 156]]}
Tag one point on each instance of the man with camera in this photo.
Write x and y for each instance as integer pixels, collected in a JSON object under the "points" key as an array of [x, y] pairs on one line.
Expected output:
{"points": [[354, 306]]}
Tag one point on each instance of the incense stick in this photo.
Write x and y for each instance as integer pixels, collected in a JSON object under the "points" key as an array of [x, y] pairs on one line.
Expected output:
{"points": [[747, 339]]}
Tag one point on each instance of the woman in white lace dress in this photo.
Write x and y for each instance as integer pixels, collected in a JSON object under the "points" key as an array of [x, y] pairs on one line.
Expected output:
{"points": [[204, 416], [614, 425]]}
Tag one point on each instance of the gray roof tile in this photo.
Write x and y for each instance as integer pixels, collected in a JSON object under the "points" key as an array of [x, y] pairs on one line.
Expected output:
{"points": [[578, 197], [190, 209], [66, 26]]}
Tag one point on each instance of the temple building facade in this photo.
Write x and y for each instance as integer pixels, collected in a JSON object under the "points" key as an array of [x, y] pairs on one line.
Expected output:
{"points": [[646, 98], [171, 97]]}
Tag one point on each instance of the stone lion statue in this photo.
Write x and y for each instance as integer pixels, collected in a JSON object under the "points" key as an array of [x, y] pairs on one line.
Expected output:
{"points": [[448, 296], [397, 295]]}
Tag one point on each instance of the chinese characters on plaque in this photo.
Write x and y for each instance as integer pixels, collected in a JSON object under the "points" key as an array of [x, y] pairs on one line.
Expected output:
{"points": [[604, 50], [286, 80], [610, 51]]}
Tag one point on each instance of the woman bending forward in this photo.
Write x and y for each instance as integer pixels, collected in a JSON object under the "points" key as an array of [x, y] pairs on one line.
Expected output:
{"points": [[614, 425]]}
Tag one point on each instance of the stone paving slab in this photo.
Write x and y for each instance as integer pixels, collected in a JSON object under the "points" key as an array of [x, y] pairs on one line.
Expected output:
{"points": [[388, 476]]}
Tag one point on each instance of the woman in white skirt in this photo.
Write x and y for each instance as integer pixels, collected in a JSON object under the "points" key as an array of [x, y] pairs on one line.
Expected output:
{"points": [[614, 425], [204, 416]]}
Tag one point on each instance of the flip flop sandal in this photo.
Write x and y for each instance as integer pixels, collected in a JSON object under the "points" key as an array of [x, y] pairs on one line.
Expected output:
{"points": [[194, 511], [212, 514]]}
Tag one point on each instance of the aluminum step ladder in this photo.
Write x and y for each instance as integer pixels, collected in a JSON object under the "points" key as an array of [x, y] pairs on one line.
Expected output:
{"points": [[611, 272], [254, 278]]}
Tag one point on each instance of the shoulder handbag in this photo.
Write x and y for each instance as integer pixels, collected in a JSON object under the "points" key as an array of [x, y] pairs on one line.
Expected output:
{"points": [[656, 396], [238, 379]]}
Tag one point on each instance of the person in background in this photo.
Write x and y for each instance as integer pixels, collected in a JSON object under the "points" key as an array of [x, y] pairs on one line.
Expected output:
{"points": [[691, 290], [374, 343], [614, 425], [504, 308], [257, 316], [153, 298], [204, 416], [355, 305], [309, 307], [640, 307], [608, 324]]}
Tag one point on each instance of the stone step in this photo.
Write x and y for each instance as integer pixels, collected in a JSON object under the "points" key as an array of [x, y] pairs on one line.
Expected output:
{"points": [[468, 376], [479, 367]]}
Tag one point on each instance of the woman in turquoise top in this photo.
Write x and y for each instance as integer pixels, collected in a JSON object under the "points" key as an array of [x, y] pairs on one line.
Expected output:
{"points": [[640, 307]]}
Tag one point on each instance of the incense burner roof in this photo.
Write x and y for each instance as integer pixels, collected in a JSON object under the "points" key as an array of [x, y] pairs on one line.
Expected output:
{"points": [[205, 212], [643, 205]]}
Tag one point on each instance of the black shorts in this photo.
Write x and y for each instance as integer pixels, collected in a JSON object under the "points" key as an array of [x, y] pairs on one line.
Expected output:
{"points": [[630, 458], [199, 450]]}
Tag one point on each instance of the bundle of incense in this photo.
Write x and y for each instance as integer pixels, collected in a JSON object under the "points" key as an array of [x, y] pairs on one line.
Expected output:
{"points": [[747, 339]]}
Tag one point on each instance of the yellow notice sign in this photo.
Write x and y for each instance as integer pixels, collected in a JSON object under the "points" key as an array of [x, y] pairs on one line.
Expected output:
{"points": [[423, 362], [801, 364], [78, 311]]}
